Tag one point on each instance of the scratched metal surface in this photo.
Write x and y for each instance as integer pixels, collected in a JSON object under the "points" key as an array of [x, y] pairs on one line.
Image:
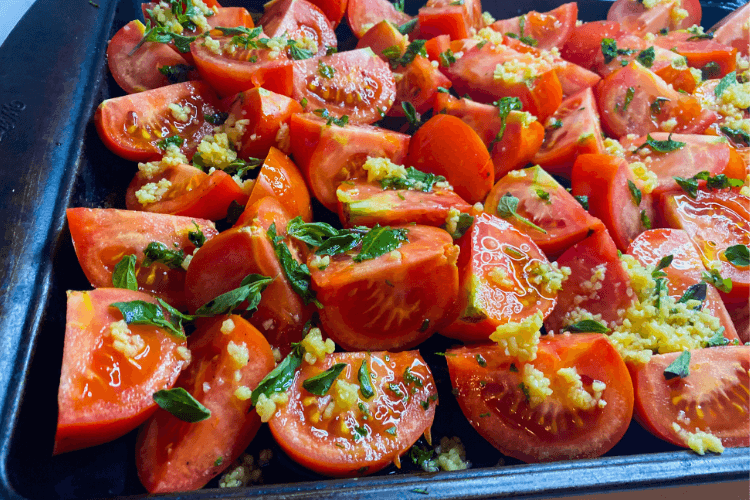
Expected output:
{"points": [[52, 76]]}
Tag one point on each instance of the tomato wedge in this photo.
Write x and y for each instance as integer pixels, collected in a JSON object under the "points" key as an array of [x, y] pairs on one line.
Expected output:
{"points": [[364, 14], [418, 85], [110, 370], [584, 46], [299, 19], [701, 52], [102, 237], [505, 402], [712, 398], [173, 455], [639, 19], [733, 30], [549, 29]]}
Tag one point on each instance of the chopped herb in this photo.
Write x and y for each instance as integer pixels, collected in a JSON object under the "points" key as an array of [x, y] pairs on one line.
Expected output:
{"points": [[410, 378], [218, 461], [480, 360], [411, 113], [513, 368], [629, 94], [701, 36], [124, 274], [710, 71], [177, 73], [325, 70], [159, 252], [464, 223], [661, 286], [297, 274], [738, 255], [507, 207], [525, 391], [583, 200], [423, 491], [646, 57], [249, 290], [656, 105], [610, 50], [484, 415], [216, 118], [447, 58], [714, 278], [234, 211], [321, 383], [425, 405], [330, 119], [303, 102], [504, 106], [364, 410], [174, 140], [695, 292], [635, 192], [521, 36], [664, 263], [414, 49], [139, 312], [314, 234], [443, 90], [737, 136], [182, 405], [720, 181], [586, 326], [457, 2], [391, 431], [331, 50], [398, 5], [664, 31], [680, 367], [660, 146], [392, 52], [542, 194], [379, 241], [298, 54], [645, 220], [555, 123], [718, 339], [725, 83], [365, 380], [162, 34], [359, 433], [408, 26], [415, 180], [425, 325], [197, 237], [395, 389], [280, 379], [94, 4], [422, 456]]}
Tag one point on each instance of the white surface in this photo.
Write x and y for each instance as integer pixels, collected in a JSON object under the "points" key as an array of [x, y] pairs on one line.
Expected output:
{"points": [[11, 12]]}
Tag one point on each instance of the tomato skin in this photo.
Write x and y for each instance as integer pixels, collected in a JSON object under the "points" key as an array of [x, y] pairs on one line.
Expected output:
{"points": [[172, 455], [101, 238], [564, 219], [361, 83], [381, 37], [494, 405], [360, 13], [298, 19], [427, 152], [604, 179], [639, 19], [128, 125], [104, 394], [446, 20], [329, 155], [718, 376], [584, 47], [732, 30], [333, 9], [418, 86], [409, 297], [335, 453], [549, 29]]}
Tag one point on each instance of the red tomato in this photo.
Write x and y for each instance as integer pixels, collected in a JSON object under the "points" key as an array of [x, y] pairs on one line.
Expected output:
{"points": [[382, 36], [139, 71], [488, 298], [519, 142], [299, 19], [606, 180], [714, 221], [394, 301], [427, 152], [685, 270], [192, 193], [173, 455], [733, 30], [584, 46], [639, 19], [333, 9], [712, 398], [583, 259], [104, 391], [368, 436], [356, 83], [418, 85], [639, 117], [444, 20], [364, 13], [491, 395], [367, 204], [573, 130], [268, 112], [700, 52], [132, 126], [471, 10], [102, 237], [329, 155], [549, 29], [548, 205]]}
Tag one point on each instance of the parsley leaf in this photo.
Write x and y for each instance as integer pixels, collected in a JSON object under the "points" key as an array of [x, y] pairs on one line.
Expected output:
{"points": [[660, 146], [321, 383], [719, 181], [586, 326], [738, 255], [447, 58], [414, 49], [182, 405], [656, 105], [297, 274], [280, 379], [415, 180], [124, 274], [507, 207], [408, 26], [411, 113], [379, 241], [159, 252], [680, 367], [250, 289], [139, 312], [725, 83], [635, 192], [713, 277], [629, 94]]}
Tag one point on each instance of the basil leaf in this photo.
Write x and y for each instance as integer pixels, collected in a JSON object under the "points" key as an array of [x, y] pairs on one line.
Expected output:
{"points": [[234, 211], [646, 57], [250, 289], [411, 113], [738, 136], [738, 255], [725, 83], [690, 186], [297, 274], [695, 292], [663, 264], [506, 208], [239, 30], [718, 339], [721, 181], [159, 252], [297, 53], [365, 381], [447, 58], [392, 52], [583, 200], [714, 278], [504, 106], [216, 118], [408, 26], [313, 234], [645, 220], [414, 49], [321, 383], [661, 286], [324, 113], [660, 146], [635, 192], [181, 404], [680, 367], [586, 326], [464, 223], [124, 274], [339, 244], [415, 180], [656, 105], [325, 70], [174, 140], [280, 379], [610, 50], [177, 73], [197, 237], [629, 94], [701, 36], [139, 312], [379, 241]]}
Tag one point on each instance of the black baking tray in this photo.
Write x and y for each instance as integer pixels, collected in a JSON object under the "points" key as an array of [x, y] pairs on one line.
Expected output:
{"points": [[53, 74]]}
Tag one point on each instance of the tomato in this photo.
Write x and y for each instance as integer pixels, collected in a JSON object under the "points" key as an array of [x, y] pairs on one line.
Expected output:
{"points": [[192, 192], [382, 36], [606, 180], [394, 301], [268, 113], [733, 30], [597, 252], [333, 9], [104, 391], [173, 455], [639, 117], [132, 126], [329, 155], [362, 14], [639, 19], [520, 140], [233, 69], [367, 204], [140, 71], [280, 178], [714, 221], [418, 85], [712, 398], [549, 29], [427, 152], [685, 270], [700, 153], [571, 131], [222, 263], [356, 83], [471, 10], [548, 205], [448, 20], [102, 237], [473, 74], [299, 19], [584, 46], [498, 280], [700, 52], [517, 423], [363, 438]]}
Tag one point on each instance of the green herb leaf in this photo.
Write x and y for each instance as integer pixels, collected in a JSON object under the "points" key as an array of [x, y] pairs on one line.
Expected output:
{"points": [[312, 233], [392, 52], [680, 367], [159, 252], [249, 290], [297, 274], [660, 146], [414, 49], [411, 113], [610, 50], [234, 211], [422, 457], [447, 58], [695, 292], [480, 360], [714, 278], [139, 312], [720, 181], [177, 73], [645, 220], [216, 118], [124, 274], [197, 237], [646, 57], [522, 37], [725, 83], [391, 431], [398, 5], [325, 70], [346, 240], [656, 105], [718, 339], [583, 200], [525, 391], [415, 180], [701, 36], [410, 378], [664, 263], [379, 241], [513, 368], [422, 491], [464, 223], [174, 140], [280, 379], [586, 326], [635, 192], [629, 94], [218, 461], [408, 26], [443, 90], [321, 383], [710, 71], [738, 255], [504, 106], [507, 207], [326, 115], [182, 405], [661, 286], [736, 135], [298, 54], [690, 186], [365, 380], [555, 124]]}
